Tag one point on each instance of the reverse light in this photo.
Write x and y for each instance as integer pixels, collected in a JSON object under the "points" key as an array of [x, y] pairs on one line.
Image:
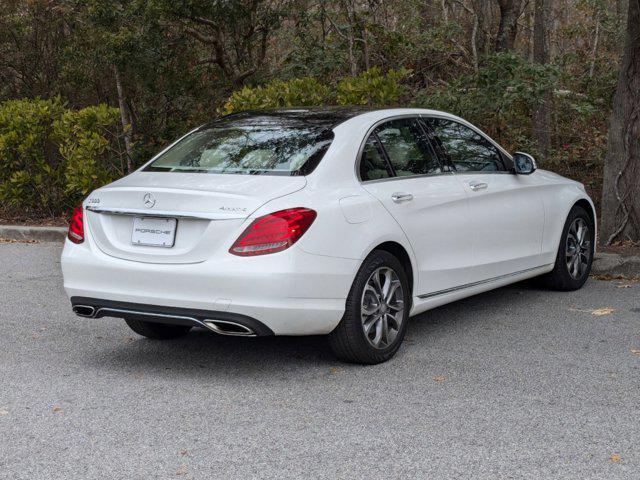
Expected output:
{"points": [[273, 232], [76, 225]]}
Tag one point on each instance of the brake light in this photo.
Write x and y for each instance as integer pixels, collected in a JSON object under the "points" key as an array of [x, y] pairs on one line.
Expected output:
{"points": [[274, 232], [76, 226]]}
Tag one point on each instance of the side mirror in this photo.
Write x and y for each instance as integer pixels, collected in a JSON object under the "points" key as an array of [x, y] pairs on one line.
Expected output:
{"points": [[524, 163]]}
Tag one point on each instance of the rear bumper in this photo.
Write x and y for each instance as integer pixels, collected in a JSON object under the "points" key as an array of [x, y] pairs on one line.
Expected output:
{"points": [[98, 308], [289, 293]]}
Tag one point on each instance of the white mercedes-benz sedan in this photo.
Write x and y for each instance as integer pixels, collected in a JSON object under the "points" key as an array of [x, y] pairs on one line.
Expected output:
{"points": [[342, 222]]}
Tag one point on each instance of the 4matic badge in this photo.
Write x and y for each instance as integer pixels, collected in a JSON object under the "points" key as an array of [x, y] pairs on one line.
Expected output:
{"points": [[233, 209]]}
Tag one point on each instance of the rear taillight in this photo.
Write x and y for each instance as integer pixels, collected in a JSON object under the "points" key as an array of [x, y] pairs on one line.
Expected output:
{"points": [[76, 226], [274, 232]]}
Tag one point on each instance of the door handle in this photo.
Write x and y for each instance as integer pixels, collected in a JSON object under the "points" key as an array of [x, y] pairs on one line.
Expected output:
{"points": [[401, 197], [475, 186]]}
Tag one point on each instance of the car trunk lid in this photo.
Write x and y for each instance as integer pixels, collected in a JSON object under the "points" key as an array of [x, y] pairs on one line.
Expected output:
{"points": [[209, 210]]}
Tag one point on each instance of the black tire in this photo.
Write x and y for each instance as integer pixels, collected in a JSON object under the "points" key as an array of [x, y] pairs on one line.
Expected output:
{"points": [[348, 341], [560, 278], [158, 331]]}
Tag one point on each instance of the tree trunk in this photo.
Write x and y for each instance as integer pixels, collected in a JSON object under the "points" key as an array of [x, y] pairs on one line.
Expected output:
{"points": [[474, 44], [429, 12], [365, 46], [621, 183], [482, 10], [350, 14], [125, 119], [541, 114], [594, 50], [445, 11], [353, 66], [621, 10], [508, 27], [528, 20]]}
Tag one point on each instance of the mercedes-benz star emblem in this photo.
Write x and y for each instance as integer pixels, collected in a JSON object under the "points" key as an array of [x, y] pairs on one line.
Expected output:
{"points": [[149, 200]]}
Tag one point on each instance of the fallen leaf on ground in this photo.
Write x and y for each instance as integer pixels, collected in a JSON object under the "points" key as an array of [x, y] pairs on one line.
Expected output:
{"points": [[599, 312], [183, 452], [12, 240], [182, 471], [607, 277], [57, 409], [439, 378], [635, 351], [3, 412], [334, 370], [615, 457]]}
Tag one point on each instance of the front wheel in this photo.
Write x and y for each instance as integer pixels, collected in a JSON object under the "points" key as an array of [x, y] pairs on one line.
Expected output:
{"points": [[575, 253], [376, 313]]}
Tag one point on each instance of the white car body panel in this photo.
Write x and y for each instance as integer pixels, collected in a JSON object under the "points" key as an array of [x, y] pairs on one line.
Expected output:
{"points": [[438, 207], [459, 242], [506, 223]]}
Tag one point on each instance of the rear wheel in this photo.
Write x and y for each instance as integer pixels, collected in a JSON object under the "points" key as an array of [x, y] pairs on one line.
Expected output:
{"points": [[376, 314], [157, 331], [575, 253]]}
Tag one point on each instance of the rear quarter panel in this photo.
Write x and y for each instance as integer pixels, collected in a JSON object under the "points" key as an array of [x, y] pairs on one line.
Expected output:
{"points": [[350, 223]]}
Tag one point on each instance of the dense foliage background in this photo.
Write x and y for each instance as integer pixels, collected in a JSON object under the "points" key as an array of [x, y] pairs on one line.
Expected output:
{"points": [[92, 88]]}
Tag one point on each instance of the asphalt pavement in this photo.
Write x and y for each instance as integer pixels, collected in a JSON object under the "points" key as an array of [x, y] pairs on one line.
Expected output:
{"points": [[515, 383]]}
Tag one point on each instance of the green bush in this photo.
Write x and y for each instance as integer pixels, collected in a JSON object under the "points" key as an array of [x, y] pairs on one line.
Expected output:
{"points": [[370, 88], [297, 92], [50, 157], [89, 143], [30, 174]]}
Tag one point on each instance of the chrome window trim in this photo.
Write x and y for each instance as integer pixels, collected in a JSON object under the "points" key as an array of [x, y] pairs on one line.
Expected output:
{"points": [[364, 141], [406, 177]]}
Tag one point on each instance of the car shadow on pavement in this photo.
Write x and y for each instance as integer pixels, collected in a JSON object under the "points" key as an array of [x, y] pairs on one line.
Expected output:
{"points": [[202, 352], [481, 307]]}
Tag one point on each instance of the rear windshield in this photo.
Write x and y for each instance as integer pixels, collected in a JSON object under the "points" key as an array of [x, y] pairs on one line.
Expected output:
{"points": [[271, 149]]}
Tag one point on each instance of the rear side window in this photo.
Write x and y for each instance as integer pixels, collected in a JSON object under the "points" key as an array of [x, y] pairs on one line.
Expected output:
{"points": [[467, 150], [407, 148], [373, 165], [254, 149]]}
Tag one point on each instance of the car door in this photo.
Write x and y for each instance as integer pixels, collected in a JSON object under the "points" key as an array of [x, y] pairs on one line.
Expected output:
{"points": [[400, 168], [507, 213]]}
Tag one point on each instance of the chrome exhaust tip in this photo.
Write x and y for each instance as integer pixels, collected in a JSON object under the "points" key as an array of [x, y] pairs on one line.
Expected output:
{"points": [[225, 327], [84, 310]]}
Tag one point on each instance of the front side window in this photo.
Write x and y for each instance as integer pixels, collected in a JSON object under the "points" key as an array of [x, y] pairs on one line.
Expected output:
{"points": [[258, 149], [467, 150], [407, 148]]}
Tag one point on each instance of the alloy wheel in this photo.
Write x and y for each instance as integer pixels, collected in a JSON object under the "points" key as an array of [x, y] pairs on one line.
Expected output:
{"points": [[578, 248], [382, 307]]}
